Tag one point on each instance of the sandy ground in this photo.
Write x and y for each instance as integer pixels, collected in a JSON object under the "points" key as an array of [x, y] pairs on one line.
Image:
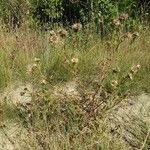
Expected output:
{"points": [[131, 121], [127, 121]]}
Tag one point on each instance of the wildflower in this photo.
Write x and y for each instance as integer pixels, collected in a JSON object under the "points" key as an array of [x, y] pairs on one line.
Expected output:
{"points": [[77, 27], [74, 61], [116, 22], [62, 33], [114, 83]]}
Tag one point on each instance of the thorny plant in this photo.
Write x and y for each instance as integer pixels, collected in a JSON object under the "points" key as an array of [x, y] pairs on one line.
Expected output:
{"points": [[48, 114]]}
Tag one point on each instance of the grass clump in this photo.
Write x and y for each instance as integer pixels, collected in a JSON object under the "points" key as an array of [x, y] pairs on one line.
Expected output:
{"points": [[105, 72]]}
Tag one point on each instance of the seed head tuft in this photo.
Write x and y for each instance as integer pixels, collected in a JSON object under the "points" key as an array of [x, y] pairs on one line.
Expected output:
{"points": [[124, 16], [116, 22], [76, 27], [74, 61], [114, 84], [62, 33]]}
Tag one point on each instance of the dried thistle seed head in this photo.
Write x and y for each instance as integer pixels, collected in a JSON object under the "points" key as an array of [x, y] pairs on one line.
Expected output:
{"points": [[134, 69], [34, 65], [62, 33], [108, 43], [52, 32], [76, 27], [114, 83], [44, 82], [124, 16], [138, 66], [54, 39], [66, 61], [116, 22], [130, 75], [116, 70], [36, 60], [31, 67], [22, 93], [135, 34], [128, 35], [25, 89], [74, 61], [28, 12]]}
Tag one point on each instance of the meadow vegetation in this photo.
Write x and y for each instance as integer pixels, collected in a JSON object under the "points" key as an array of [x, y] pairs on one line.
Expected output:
{"points": [[107, 66]]}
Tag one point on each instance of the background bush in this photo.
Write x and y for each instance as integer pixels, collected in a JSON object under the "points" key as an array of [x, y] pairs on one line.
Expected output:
{"points": [[70, 11]]}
